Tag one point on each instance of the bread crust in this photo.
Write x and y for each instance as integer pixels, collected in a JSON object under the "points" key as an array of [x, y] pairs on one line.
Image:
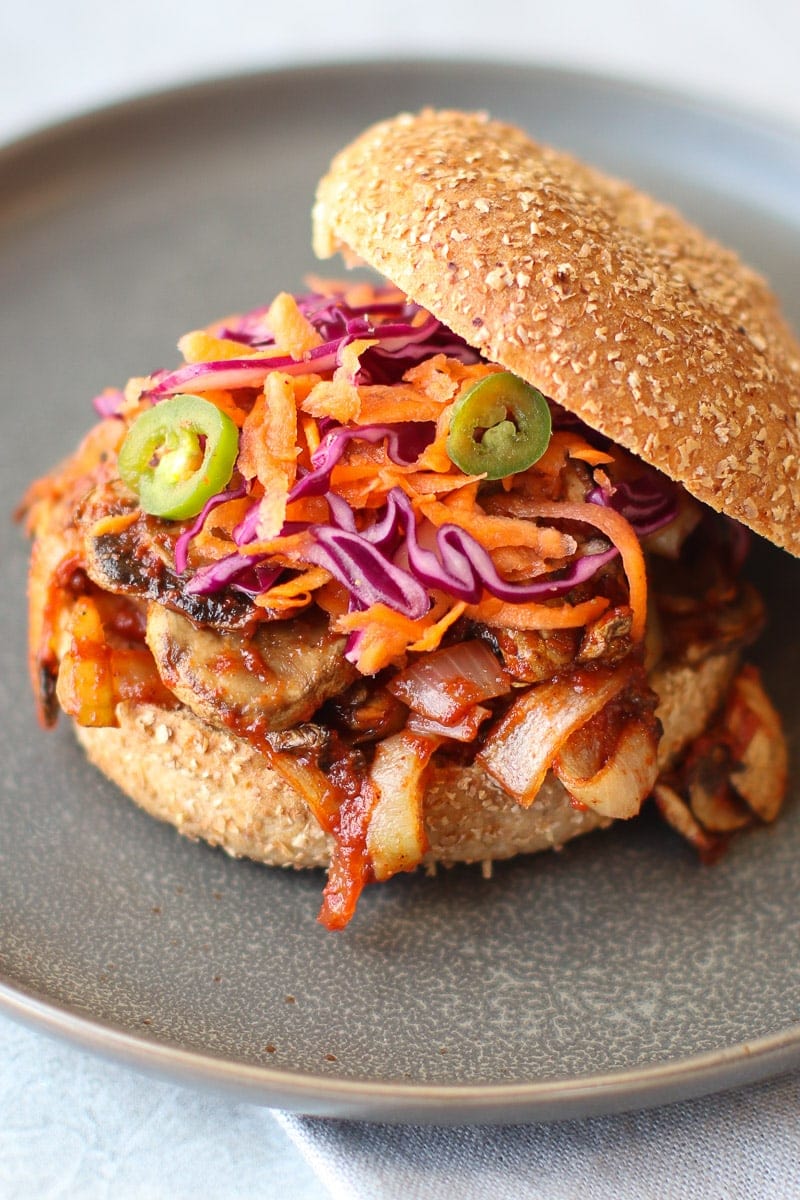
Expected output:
{"points": [[214, 786], [607, 301]]}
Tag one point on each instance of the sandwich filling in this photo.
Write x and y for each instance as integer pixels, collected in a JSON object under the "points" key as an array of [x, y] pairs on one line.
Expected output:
{"points": [[340, 533]]}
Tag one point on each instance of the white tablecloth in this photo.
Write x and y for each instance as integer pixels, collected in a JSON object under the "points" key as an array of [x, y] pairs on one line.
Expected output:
{"points": [[72, 1126]]}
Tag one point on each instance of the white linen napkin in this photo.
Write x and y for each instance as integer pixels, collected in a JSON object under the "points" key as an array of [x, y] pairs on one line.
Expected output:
{"points": [[742, 1145]]}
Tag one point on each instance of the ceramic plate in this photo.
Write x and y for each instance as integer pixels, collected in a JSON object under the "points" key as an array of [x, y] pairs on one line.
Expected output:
{"points": [[615, 974]]}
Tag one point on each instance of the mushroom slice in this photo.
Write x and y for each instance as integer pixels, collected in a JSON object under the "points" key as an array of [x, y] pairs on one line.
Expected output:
{"points": [[676, 812], [275, 679], [758, 744]]}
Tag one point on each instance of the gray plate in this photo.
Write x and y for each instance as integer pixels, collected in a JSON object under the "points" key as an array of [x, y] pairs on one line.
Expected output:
{"points": [[616, 974]]}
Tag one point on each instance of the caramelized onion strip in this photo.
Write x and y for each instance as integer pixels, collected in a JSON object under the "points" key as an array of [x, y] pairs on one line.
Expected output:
{"points": [[623, 781], [523, 745], [396, 839]]}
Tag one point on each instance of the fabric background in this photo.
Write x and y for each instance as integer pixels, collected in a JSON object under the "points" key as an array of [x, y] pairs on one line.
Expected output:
{"points": [[742, 1146]]}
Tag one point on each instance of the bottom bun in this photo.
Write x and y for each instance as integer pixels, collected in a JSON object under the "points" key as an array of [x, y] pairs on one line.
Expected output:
{"points": [[212, 785]]}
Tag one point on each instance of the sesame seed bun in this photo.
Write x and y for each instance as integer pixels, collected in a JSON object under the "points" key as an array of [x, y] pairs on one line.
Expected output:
{"points": [[214, 786], [607, 301]]}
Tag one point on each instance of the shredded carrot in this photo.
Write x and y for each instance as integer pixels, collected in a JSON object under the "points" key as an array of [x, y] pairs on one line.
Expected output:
{"points": [[268, 450], [310, 433], [295, 593], [225, 402], [292, 331], [215, 539], [382, 404], [537, 616], [426, 483], [578, 447], [350, 359], [435, 456], [337, 398], [303, 385], [289, 551], [467, 496], [494, 532], [309, 508], [516, 562], [199, 346], [434, 633], [387, 635], [439, 377], [332, 598], [434, 378], [618, 530]]}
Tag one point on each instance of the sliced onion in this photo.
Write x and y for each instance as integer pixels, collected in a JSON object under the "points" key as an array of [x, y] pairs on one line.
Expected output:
{"points": [[676, 812], [396, 838], [523, 745], [755, 728], [464, 730], [444, 685], [624, 781]]}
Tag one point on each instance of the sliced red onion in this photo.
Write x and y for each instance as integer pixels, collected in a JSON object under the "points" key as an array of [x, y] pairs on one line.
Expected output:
{"points": [[404, 444], [446, 683], [182, 543]]}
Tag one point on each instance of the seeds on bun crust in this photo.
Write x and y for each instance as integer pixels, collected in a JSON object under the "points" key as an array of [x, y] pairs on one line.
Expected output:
{"points": [[610, 303]]}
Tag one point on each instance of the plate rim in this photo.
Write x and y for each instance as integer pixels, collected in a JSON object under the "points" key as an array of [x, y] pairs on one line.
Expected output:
{"points": [[646, 1085], [395, 1102], [768, 124]]}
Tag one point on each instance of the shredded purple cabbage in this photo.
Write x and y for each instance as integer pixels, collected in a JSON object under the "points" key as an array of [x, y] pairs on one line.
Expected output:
{"points": [[183, 541], [386, 562], [400, 344], [404, 444], [369, 576], [109, 403], [246, 573], [459, 566], [648, 502]]}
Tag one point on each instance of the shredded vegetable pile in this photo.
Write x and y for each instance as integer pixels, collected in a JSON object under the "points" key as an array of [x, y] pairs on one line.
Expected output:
{"points": [[344, 493]]}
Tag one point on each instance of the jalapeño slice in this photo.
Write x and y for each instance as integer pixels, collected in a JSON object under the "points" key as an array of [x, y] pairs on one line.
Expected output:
{"points": [[177, 455], [501, 425]]}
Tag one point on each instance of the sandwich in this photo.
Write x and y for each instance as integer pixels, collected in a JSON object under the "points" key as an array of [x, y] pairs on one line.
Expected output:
{"points": [[444, 565]]}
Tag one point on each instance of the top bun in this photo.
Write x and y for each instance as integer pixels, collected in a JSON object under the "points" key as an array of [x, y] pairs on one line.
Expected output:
{"points": [[608, 302]]}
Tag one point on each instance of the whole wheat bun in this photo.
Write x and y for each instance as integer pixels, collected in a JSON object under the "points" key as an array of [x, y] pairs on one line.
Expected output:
{"points": [[213, 785], [610, 303]]}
